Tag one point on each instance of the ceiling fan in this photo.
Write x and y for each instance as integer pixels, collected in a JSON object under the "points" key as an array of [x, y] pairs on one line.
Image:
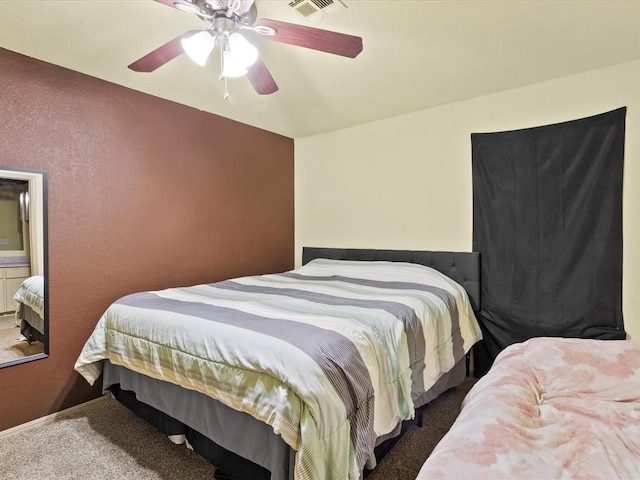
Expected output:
{"points": [[229, 23]]}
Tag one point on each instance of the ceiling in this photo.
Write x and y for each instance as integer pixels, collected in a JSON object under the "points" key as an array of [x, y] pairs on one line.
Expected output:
{"points": [[417, 53]]}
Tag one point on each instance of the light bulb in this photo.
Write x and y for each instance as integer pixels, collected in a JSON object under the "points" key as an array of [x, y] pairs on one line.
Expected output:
{"points": [[232, 65], [238, 56], [199, 46], [239, 45]]}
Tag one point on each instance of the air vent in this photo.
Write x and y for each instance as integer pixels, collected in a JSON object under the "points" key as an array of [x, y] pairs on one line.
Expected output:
{"points": [[314, 10]]}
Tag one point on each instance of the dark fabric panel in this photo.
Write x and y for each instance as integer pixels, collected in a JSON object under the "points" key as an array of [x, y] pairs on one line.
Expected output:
{"points": [[547, 221]]}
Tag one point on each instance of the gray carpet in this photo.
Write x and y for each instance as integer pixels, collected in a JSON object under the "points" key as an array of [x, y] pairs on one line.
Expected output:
{"points": [[12, 349], [105, 441], [403, 462], [102, 442]]}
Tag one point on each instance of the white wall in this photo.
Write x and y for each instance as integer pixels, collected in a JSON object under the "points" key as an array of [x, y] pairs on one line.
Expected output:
{"points": [[405, 182]]}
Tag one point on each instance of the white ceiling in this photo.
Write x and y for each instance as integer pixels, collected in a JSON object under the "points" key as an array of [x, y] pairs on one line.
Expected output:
{"points": [[417, 53]]}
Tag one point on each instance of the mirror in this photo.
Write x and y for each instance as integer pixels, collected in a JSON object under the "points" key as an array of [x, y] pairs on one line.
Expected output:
{"points": [[24, 325]]}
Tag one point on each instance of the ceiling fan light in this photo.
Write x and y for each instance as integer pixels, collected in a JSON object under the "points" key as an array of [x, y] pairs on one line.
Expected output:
{"points": [[199, 46], [232, 65], [246, 53]]}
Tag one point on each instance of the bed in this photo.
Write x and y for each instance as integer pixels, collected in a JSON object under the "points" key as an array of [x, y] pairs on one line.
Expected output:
{"points": [[551, 408], [294, 375], [30, 309]]}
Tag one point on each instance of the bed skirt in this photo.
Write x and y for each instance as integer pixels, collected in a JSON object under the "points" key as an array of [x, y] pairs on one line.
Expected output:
{"points": [[31, 324], [221, 434]]}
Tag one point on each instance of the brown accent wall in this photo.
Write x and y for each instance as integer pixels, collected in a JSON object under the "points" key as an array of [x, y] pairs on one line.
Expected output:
{"points": [[143, 194]]}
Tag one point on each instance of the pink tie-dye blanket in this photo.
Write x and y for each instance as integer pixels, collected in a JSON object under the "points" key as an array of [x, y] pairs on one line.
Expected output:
{"points": [[550, 408]]}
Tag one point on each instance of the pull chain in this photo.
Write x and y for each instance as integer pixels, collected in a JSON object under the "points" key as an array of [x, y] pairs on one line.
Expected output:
{"points": [[226, 91]]}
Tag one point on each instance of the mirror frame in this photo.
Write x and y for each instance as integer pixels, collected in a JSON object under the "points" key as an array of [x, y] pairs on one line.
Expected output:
{"points": [[31, 176]]}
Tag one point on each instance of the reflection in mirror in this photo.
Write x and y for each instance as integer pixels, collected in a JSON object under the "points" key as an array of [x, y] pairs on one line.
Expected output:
{"points": [[24, 328]]}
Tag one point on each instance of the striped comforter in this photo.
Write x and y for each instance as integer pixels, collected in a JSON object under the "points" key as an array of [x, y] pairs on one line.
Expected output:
{"points": [[328, 354]]}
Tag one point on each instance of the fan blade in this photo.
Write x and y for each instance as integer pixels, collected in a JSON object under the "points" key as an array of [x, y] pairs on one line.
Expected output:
{"points": [[161, 55], [168, 3], [245, 5], [314, 38], [261, 79], [187, 6]]}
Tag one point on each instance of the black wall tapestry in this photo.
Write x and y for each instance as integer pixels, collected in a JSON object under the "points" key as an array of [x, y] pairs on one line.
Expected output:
{"points": [[547, 221]]}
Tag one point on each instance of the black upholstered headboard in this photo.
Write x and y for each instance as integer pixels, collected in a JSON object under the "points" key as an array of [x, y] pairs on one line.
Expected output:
{"points": [[463, 267]]}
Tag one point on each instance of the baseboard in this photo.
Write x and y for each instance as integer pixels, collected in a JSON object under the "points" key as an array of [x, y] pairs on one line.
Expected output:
{"points": [[46, 420]]}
